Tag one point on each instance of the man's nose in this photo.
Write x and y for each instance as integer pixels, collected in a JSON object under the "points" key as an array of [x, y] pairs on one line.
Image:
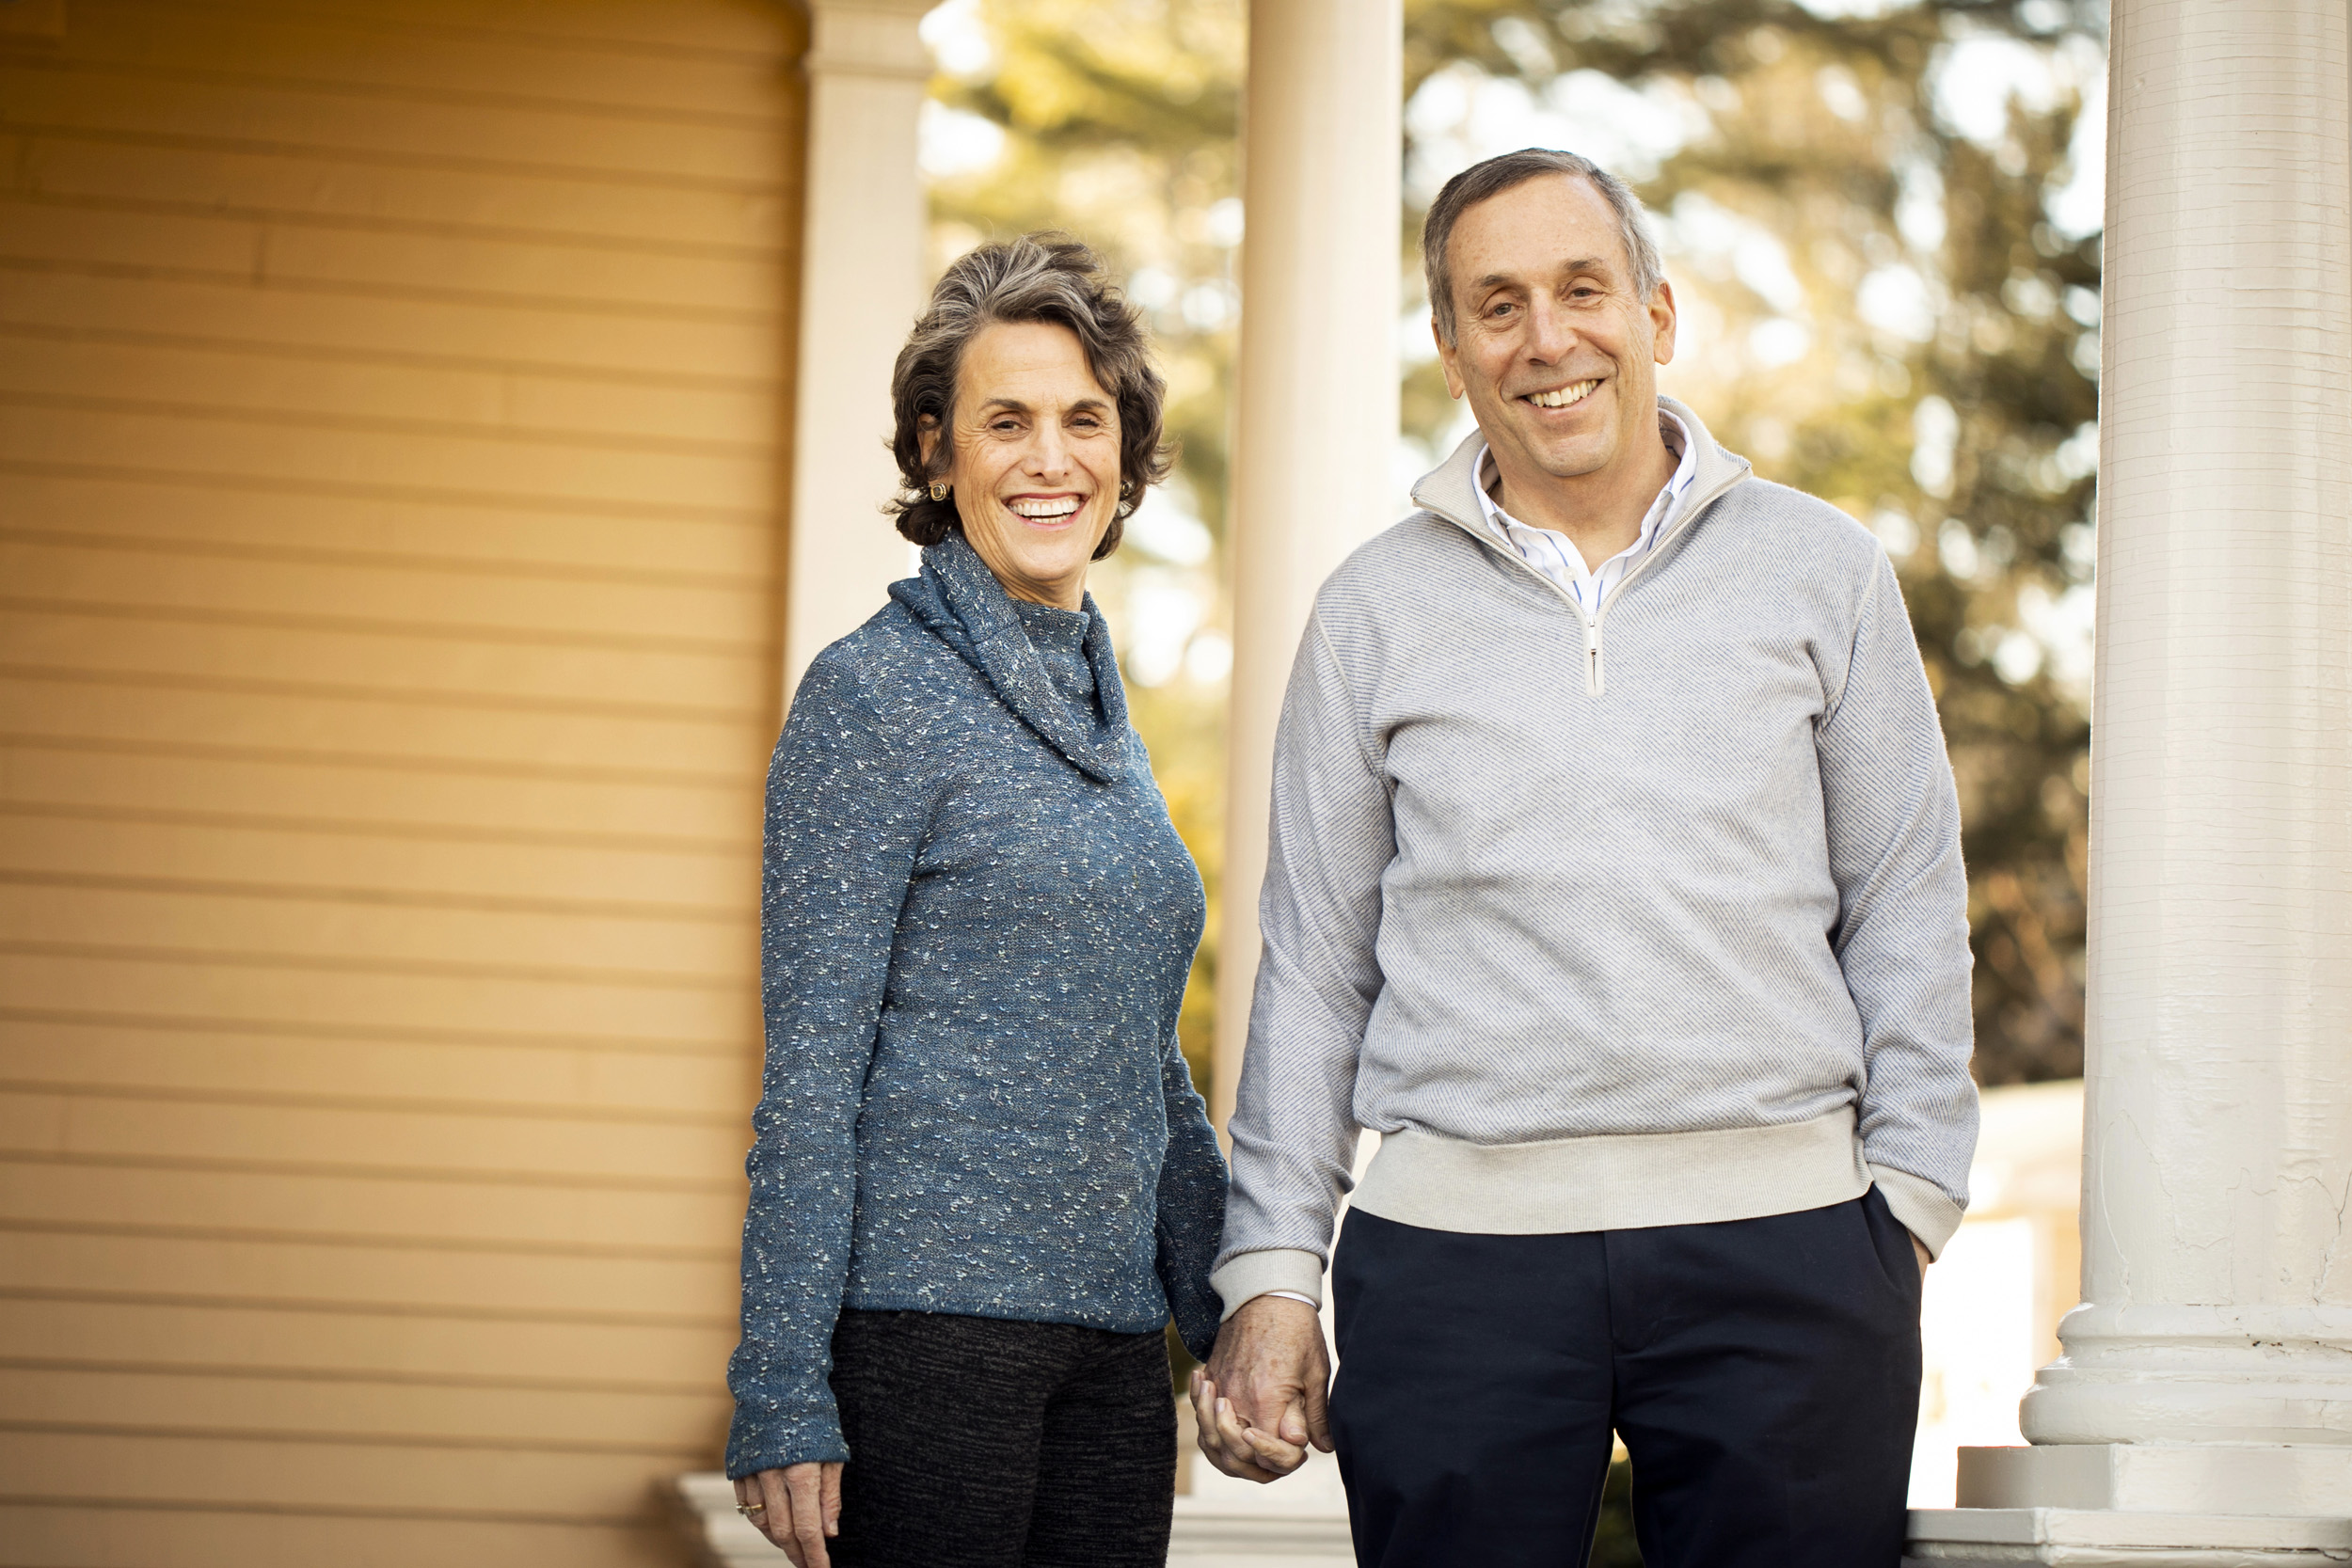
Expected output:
{"points": [[1549, 332]]}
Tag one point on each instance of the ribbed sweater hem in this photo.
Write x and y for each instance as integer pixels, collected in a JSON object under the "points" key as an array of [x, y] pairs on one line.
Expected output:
{"points": [[1622, 1182], [1613, 1181]]}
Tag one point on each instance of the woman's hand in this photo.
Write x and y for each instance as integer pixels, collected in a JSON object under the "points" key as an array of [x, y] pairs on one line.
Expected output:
{"points": [[797, 1507]]}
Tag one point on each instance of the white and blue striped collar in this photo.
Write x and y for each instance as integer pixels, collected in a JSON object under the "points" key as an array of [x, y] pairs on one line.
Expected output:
{"points": [[1553, 554]]}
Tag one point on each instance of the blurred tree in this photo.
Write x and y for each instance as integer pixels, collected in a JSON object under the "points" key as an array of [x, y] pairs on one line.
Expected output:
{"points": [[1879, 309]]}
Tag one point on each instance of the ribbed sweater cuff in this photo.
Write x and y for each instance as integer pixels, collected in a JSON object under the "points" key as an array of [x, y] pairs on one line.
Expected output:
{"points": [[1246, 1275], [1920, 1204]]}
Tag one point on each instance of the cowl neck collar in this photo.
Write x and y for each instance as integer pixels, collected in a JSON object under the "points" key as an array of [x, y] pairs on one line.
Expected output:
{"points": [[962, 602]]}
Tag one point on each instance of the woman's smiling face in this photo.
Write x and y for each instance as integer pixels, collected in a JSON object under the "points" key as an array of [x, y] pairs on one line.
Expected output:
{"points": [[1034, 458]]}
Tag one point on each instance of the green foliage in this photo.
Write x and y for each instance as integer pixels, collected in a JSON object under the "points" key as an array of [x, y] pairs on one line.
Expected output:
{"points": [[1822, 135], [1962, 439], [1614, 1546]]}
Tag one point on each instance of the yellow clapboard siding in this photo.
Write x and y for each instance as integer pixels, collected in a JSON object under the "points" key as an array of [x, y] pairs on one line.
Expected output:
{"points": [[274, 988], [89, 96], [62, 1051], [526, 1218], [47, 703], [513, 1284], [576, 1151], [467, 55], [458, 331], [349, 1478], [270, 382], [359, 931], [659, 1426], [691, 685], [726, 26], [286, 448], [648, 815], [36, 231], [710, 618], [383, 531], [391, 1346], [529, 273], [104, 1533], [647, 883], [551, 204], [108, 1533], [390, 398]]}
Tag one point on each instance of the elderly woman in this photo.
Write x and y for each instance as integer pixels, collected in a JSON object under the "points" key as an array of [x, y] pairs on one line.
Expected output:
{"points": [[981, 1180]]}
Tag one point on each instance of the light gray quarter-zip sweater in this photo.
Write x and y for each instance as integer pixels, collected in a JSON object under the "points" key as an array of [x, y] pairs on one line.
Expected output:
{"points": [[1651, 917]]}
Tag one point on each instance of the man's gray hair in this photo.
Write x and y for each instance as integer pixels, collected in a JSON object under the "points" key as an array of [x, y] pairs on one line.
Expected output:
{"points": [[1496, 175]]}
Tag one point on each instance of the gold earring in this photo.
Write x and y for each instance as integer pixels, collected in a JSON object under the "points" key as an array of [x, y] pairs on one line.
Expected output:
{"points": [[939, 489]]}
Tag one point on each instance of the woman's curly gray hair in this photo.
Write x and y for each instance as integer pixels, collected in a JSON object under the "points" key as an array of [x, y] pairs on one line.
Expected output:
{"points": [[1039, 277]]}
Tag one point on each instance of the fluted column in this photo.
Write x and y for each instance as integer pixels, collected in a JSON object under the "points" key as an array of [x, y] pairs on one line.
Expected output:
{"points": [[2202, 1407], [862, 286], [2217, 1165], [1316, 399]]}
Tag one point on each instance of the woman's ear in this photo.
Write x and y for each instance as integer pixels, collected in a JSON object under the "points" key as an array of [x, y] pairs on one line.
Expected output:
{"points": [[927, 435]]}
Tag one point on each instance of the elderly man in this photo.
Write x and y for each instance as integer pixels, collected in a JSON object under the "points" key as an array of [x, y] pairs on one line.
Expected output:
{"points": [[1616, 882]]}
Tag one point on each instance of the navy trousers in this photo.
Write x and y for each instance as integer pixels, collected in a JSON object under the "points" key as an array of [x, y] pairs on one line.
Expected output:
{"points": [[1763, 1373]]}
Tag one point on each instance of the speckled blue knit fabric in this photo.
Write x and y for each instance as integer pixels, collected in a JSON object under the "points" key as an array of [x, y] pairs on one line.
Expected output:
{"points": [[977, 924]]}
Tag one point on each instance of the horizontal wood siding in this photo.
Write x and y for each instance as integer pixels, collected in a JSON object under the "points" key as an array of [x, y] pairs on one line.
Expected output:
{"points": [[390, 464]]}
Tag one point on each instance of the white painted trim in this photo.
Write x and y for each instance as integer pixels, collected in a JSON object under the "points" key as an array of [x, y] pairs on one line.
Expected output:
{"points": [[862, 286]]}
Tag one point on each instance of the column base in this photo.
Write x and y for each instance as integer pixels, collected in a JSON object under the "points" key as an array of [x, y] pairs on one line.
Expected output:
{"points": [[2169, 1373], [2109, 1538], [2152, 1505]]}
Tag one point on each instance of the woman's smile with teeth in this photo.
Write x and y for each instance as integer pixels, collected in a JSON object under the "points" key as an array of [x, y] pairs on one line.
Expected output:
{"points": [[1562, 396], [1041, 509]]}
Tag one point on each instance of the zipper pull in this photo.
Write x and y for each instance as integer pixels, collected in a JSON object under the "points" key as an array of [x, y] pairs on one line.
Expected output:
{"points": [[1592, 658]]}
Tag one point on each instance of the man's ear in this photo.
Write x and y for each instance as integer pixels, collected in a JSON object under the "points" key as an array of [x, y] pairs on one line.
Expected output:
{"points": [[1454, 384], [1663, 318]]}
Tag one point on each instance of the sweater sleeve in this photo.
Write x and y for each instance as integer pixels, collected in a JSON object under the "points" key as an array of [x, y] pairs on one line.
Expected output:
{"points": [[1191, 1206], [1901, 940], [1332, 837], [845, 819]]}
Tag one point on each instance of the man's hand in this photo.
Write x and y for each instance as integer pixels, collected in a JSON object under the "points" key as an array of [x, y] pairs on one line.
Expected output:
{"points": [[1921, 1248], [800, 1507], [1262, 1397]]}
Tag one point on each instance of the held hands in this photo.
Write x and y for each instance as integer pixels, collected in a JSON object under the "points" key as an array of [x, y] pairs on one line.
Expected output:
{"points": [[797, 1507], [1262, 1398]]}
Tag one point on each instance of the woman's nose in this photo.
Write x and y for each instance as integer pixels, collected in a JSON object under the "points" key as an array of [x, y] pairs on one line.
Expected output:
{"points": [[1049, 456]]}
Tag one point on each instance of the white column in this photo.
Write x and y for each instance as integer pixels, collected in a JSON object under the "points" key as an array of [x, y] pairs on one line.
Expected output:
{"points": [[862, 286], [2217, 1323], [1316, 402]]}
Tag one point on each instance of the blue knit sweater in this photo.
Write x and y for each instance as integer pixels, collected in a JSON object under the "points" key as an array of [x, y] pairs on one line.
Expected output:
{"points": [[976, 922]]}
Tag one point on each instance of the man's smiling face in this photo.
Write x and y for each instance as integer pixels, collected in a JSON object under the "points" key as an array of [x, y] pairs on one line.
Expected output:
{"points": [[1553, 345]]}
